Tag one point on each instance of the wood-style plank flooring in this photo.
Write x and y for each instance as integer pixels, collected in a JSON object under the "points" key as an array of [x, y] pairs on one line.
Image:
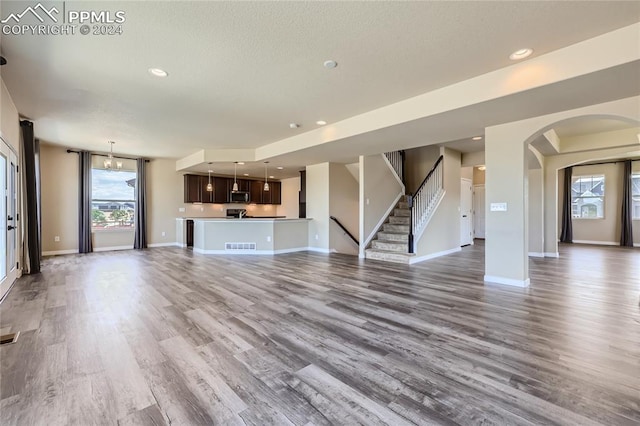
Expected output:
{"points": [[165, 336]]}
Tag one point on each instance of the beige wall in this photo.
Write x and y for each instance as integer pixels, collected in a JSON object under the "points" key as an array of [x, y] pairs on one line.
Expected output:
{"points": [[343, 204], [9, 119], [318, 205], [443, 231], [164, 195], [290, 191], [418, 162], [536, 212], [478, 176], [60, 176]]}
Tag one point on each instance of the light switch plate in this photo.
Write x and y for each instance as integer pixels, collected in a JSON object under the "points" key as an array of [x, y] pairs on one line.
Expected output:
{"points": [[498, 207]]}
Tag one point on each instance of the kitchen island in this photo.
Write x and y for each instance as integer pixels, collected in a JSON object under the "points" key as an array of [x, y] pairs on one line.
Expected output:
{"points": [[245, 236]]}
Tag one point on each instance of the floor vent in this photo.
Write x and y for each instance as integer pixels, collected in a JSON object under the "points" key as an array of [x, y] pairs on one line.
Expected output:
{"points": [[239, 246], [6, 339]]}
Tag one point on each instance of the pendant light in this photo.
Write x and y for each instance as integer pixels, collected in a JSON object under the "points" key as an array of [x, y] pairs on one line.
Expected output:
{"points": [[108, 162], [209, 186], [235, 183], [266, 183]]}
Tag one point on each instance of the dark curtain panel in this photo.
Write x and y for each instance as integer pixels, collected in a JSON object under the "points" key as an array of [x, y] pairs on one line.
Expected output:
{"points": [[140, 239], [626, 232], [566, 236], [31, 215], [84, 203]]}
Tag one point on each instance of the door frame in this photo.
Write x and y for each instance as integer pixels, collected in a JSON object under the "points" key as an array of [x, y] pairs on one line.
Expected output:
{"points": [[470, 215], [475, 214], [13, 270]]}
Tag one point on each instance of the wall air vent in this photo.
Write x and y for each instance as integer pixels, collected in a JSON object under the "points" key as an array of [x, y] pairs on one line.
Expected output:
{"points": [[239, 246]]}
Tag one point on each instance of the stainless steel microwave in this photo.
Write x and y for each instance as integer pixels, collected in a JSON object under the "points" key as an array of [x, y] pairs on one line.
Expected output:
{"points": [[239, 197]]}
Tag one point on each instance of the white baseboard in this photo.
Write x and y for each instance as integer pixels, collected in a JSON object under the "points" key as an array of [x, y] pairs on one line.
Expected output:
{"points": [[507, 281], [320, 250], [597, 243], [433, 255], [59, 252], [536, 254], [113, 248], [554, 254], [254, 252], [173, 244]]}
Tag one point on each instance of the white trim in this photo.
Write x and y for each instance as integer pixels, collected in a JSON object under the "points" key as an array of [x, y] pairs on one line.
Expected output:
{"points": [[320, 250], [536, 254], [383, 219], [554, 254], [386, 160], [57, 252], [258, 252], [597, 243], [416, 238], [413, 260], [507, 281], [173, 244], [113, 248]]}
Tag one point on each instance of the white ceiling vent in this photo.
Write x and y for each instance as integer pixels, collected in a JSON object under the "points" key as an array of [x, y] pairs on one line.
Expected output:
{"points": [[239, 246]]}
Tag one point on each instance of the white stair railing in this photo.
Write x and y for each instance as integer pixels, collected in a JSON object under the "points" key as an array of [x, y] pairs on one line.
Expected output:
{"points": [[396, 159]]}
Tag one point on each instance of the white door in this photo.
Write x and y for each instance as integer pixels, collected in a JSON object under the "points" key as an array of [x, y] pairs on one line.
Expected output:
{"points": [[466, 200], [478, 211], [8, 218]]}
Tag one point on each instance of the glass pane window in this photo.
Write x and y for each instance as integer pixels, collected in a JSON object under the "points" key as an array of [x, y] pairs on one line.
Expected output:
{"points": [[635, 195], [587, 197], [113, 199]]}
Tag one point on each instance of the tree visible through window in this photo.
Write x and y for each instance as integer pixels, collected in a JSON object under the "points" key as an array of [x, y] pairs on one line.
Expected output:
{"points": [[587, 197], [635, 195], [112, 199]]}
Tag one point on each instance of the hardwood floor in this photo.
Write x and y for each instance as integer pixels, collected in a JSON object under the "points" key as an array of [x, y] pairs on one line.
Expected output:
{"points": [[166, 336]]}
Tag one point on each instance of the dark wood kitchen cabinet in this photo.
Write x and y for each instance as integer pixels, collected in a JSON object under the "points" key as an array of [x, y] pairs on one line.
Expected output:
{"points": [[192, 189], [195, 190], [221, 189]]}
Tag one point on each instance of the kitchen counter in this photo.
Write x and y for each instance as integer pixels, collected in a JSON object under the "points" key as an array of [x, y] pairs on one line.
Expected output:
{"points": [[256, 235]]}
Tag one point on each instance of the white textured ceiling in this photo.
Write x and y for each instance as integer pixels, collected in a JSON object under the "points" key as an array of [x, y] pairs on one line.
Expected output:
{"points": [[239, 72]]}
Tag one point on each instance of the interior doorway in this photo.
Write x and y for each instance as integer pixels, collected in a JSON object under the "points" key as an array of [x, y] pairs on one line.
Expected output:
{"points": [[478, 211], [466, 203]]}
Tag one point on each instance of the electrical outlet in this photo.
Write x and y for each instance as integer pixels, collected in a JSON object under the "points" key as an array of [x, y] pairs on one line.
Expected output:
{"points": [[317, 237], [201, 209], [164, 234], [268, 238], [367, 201], [56, 238], [181, 209]]}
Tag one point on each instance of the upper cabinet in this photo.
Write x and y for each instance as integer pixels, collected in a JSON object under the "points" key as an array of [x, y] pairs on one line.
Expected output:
{"points": [[195, 190]]}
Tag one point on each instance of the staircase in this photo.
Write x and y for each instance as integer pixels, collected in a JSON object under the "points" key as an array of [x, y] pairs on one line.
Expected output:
{"points": [[392, 242]]}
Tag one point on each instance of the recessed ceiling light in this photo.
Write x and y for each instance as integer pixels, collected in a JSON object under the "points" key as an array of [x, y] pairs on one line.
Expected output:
{"points": [[293, 125], [241, 163], [483, 168], [476, 138], [321, 122], [246, 174], [330, 64], [520, 54], [158, 72], [271, 177], [279, 167]]}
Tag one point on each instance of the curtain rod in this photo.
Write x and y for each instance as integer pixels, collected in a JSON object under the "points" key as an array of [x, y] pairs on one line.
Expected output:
{"points": [[605, 162], [69, 151]]}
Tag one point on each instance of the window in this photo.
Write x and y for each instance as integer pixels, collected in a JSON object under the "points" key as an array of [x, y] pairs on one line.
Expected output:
{"points": [[112, 199], [587, 197], [635, 195]]}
